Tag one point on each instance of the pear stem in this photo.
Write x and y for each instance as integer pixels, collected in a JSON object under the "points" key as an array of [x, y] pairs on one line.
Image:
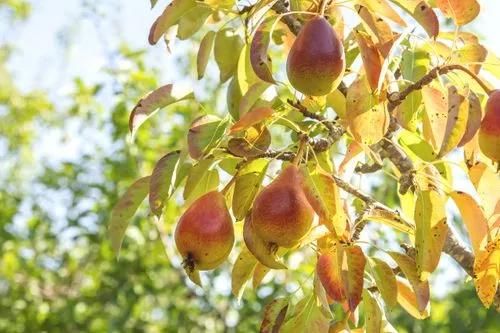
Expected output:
{"points": [[324, 4], [300, 151], [229, 184]]}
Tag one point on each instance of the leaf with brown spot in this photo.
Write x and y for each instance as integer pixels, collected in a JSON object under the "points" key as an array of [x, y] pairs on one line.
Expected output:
{"points": [[274, 314], [368, 118], [372, 313], [431, 231], [151, 103], [355, 272], [473, 119], [124, 210], [487, 272], [422, 13], [382, 8], [461, 11], [420, 288], [260, 60], [470, 55], [456, 123], [242, 271], [162, 181], [435, 116]]}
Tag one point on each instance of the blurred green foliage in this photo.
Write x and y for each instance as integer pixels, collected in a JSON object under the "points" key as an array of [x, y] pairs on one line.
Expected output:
{"points": [[57, 270]]}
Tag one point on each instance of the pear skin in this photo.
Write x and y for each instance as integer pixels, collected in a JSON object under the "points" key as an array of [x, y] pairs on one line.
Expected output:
{"points": [[281, 213], [316, 61], [489, 132], [204, 235]]}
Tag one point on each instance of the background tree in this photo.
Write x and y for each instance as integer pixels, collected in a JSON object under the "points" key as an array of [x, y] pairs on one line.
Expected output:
{"points": [[133, 293]]}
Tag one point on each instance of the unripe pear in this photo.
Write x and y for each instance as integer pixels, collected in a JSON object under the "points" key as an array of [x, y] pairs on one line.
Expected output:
{"points": [[281, 213], [489, 132], [316, 61], [204, 235]]}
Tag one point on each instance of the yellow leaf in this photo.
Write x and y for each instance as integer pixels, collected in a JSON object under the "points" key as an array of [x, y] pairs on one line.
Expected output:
{"points": [[487, 183], [242, 271], [408, 300], [431, 230], [368, 118], [461, 11], [473, 218], [487, 272]]}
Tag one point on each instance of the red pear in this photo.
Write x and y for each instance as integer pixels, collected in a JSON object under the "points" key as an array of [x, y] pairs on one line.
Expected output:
{"points": [[204, 235], [489, 133], [316, 61], [281, 213]]}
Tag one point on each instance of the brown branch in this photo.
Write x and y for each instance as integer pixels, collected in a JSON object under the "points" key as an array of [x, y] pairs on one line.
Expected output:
{"points": [[335, 131], [281, 7]]}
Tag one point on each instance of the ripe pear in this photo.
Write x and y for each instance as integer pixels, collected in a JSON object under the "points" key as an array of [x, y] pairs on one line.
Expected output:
{"points": [[281, 213], [316, 61], [489, 132], [204, 235]]}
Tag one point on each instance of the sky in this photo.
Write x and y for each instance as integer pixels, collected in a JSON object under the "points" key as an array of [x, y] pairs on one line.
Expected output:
{"points": [[65, 39]]}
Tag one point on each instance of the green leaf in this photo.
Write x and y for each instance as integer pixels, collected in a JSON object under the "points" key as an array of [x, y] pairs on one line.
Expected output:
{"points": [[124, 210], [247, 185], [372, 313], [192, 21], [306, 317], [251, 96], [225, 40], [242, 271], [162, 181], [200, 181], [204, 134], [431, 231], [206, 46], [324, 196], [274, 314], [170, 16], [151, 103], [385, 280]]}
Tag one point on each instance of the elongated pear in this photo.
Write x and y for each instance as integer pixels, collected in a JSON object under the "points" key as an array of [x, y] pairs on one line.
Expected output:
{"points": [[281, 213], [489, 132], [316, 61], [204, 235]]}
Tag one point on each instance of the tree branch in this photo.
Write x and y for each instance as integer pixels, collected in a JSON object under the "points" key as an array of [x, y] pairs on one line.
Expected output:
{"points": [[281, 7]]}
